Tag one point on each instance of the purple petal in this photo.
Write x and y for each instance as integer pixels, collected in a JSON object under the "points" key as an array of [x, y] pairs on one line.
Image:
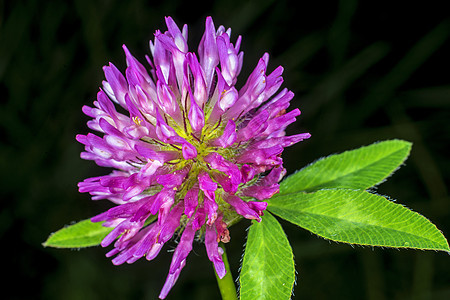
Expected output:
{"points": [[281, 122], [163, 130], [143, 211], [176, 34], [229, 61], [206, 184], [199, 218], [178, 260], [115, 233], [256, 125], [242, 207], [149, 169], [261, 156], [200, 92], [162, 204], [257, 206], [228, 137], [278, 104], [171, 223], [196, 116], [173, 179], [188, 151], [161, 57], [227, 99], [146, 243], [255, 85], [208, 55], [117, 83], [135, 64], [275, 176], [208, 187], [261, 192], [247, 173], [190, 202], [167, 101], [219, 163], [212, 249]]}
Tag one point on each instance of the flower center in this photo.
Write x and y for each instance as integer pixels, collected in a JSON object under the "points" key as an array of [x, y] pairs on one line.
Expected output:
{"points": [[202, 141]]}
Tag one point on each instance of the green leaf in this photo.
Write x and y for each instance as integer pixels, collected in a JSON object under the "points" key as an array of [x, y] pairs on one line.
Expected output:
{"points": [[358, 217], [268, 266], [355, 169], [82, 234]]}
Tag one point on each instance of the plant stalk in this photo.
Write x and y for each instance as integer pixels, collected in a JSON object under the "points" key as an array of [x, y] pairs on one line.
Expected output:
{"points": [[226, 284]]}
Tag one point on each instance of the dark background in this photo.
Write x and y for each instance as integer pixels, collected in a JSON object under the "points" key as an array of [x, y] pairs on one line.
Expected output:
{"points": [[361, 71]]}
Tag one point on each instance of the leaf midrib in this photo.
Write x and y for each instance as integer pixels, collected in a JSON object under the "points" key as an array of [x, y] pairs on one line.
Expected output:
{"points": [[265, 250], [324, 183], [365, 224]]}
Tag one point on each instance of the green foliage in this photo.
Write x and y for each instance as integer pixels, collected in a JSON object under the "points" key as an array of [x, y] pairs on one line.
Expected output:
{"points": [[356, 169], [328, 198], [358, 217], [82, 234], [268, 265]]}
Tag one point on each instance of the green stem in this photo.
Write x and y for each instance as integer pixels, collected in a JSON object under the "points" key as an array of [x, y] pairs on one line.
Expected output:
{"points": [[226, 284]]}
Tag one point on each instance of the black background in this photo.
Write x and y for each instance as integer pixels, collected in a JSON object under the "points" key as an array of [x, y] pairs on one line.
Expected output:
{"points": [[361, 71]]}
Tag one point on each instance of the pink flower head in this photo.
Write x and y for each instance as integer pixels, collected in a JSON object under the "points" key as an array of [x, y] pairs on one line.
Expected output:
{"points": [[191, 149]]}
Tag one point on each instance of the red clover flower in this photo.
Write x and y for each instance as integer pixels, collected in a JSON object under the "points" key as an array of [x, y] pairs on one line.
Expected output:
{"points": [[191, 149]]}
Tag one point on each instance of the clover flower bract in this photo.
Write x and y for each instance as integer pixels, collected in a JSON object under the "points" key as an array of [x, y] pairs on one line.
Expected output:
{"points": [[191, 149]]}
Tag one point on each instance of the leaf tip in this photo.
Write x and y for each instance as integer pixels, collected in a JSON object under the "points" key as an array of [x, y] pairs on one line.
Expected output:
{"points": [[47, 242]]}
